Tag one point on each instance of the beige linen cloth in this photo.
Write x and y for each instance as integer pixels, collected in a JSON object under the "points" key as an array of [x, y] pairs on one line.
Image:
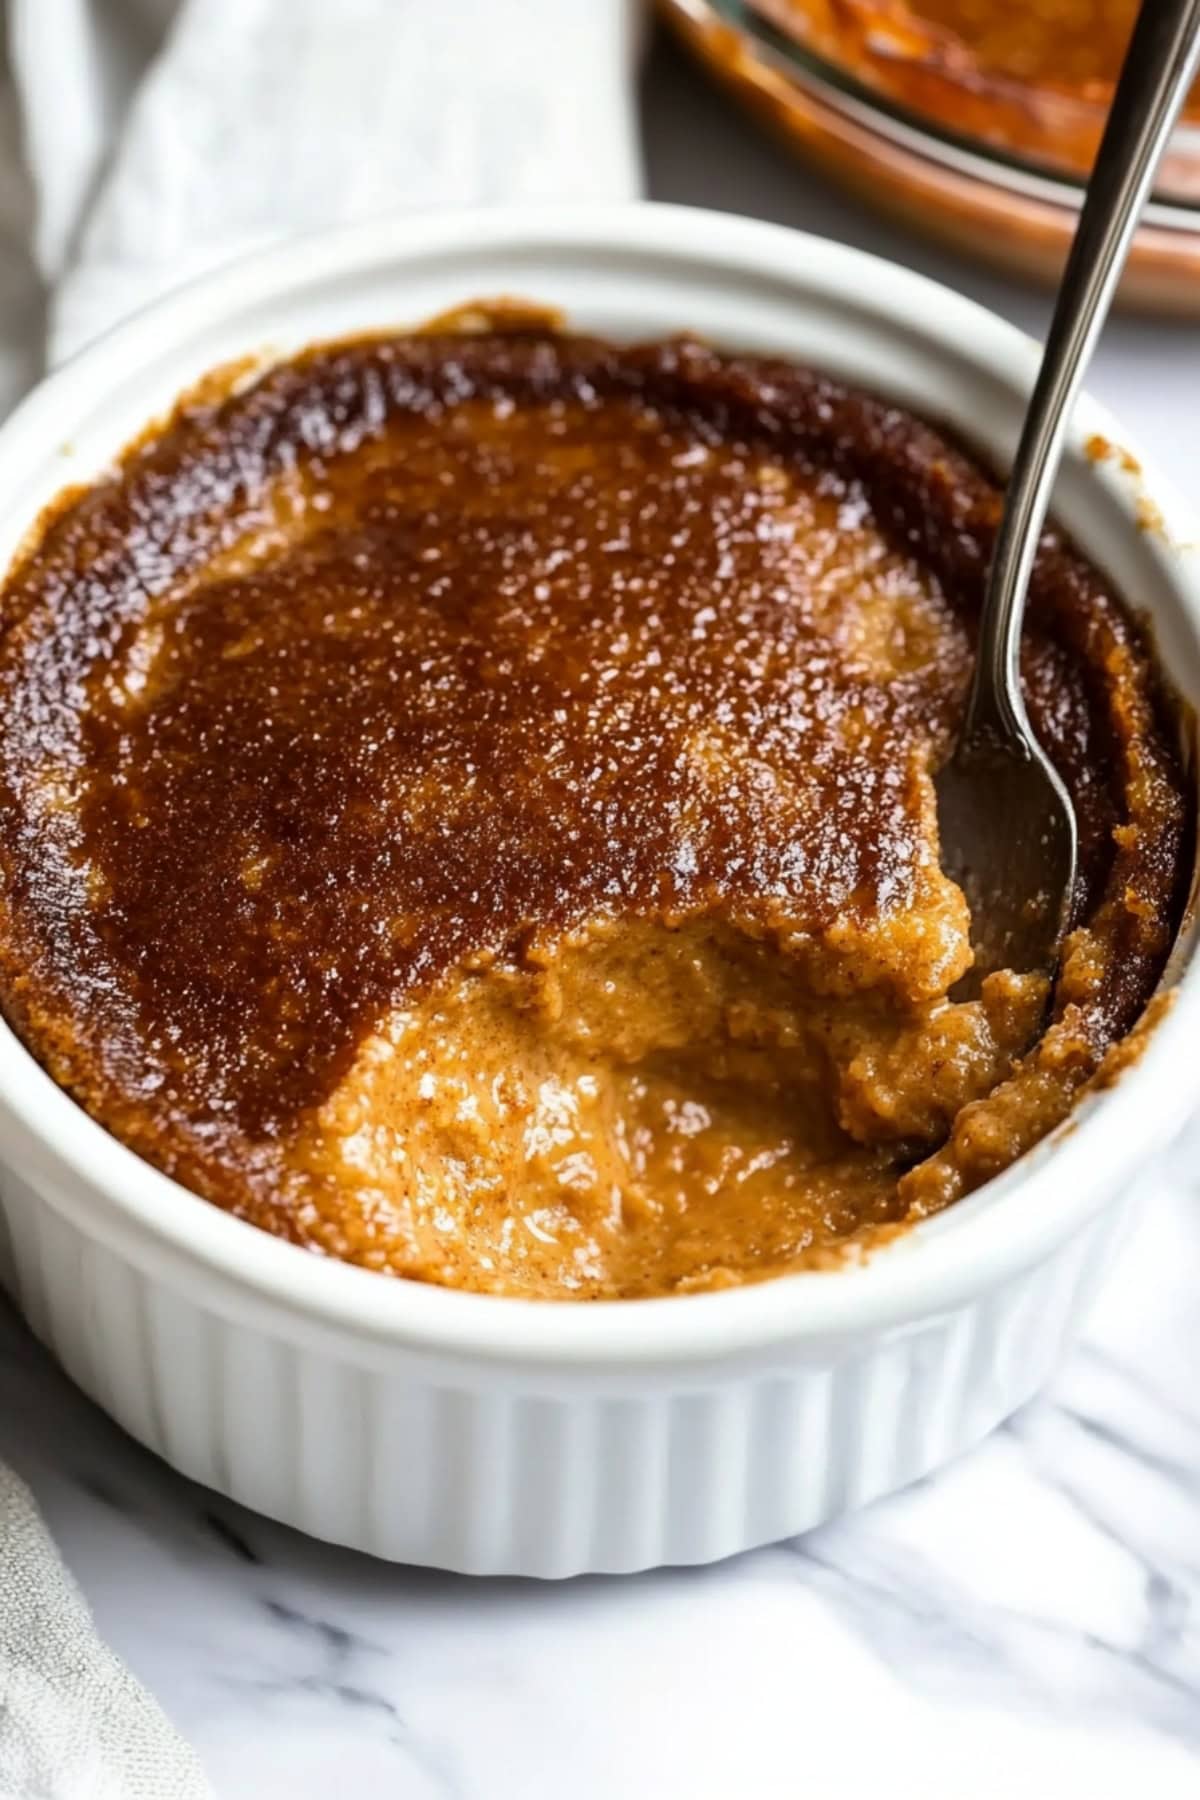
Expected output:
{"points": [[142, 141]]}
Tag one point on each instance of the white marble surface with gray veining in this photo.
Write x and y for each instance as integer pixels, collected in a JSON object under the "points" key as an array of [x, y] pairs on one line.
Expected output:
{"points": [[1027, 1622]]}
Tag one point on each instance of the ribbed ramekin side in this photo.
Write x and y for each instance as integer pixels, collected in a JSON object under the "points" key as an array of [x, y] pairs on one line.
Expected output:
{"points": [[470, 1466]]}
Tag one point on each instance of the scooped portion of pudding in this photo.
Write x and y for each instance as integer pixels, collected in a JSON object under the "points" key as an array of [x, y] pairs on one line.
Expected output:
{"points": [[466, 806]]}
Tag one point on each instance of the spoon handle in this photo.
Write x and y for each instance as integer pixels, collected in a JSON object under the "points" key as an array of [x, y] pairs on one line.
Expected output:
{"points": [[1159, 65]]}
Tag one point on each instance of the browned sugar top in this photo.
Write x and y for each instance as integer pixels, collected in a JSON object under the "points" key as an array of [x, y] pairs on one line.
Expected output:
{"points": [[416, 645]]}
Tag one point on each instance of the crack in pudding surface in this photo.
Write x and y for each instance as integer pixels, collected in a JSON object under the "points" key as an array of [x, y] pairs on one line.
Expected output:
{"points": [[361, 699]]}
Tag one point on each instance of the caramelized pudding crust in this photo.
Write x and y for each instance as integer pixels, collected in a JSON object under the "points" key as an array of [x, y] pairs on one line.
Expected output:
{"points": [[466, 806]]}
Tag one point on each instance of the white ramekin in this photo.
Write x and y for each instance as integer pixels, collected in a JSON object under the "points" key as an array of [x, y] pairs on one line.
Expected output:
{"points": [[530, 1438]]}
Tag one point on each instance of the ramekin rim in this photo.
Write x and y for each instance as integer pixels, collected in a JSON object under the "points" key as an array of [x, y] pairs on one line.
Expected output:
{"points": [[991, 1235]]}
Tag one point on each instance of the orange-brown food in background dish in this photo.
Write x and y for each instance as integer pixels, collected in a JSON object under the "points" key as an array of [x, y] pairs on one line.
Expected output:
{"points": [[466, 807], [1034, 77], [1076, 45]]}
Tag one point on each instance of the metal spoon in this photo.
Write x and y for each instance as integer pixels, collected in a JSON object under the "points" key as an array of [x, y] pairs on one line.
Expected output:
{"points": [[1007, 825]]}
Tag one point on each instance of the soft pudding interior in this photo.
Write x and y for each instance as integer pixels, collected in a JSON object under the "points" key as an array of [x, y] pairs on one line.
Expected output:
{"points": [[649, 1108]]}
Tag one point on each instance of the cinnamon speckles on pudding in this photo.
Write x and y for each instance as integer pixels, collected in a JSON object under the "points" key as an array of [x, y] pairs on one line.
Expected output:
{"points": [[466, 806]]}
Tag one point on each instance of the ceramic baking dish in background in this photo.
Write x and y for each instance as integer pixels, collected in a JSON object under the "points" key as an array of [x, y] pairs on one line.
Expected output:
{"points": [[496, 1435]]}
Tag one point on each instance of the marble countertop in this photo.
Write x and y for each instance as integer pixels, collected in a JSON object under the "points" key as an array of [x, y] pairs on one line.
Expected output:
{"points": [[1029, 1620]]}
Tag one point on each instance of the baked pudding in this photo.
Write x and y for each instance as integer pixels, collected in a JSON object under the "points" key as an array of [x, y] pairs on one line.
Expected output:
{"points": [[466, 807]]}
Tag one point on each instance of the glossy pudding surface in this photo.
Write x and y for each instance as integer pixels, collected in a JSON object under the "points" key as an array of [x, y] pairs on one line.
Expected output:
{"points": [[466, 807]]}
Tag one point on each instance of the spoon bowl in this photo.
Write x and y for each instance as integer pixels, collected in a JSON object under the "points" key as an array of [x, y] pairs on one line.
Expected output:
{"points": [[1019, 918]]}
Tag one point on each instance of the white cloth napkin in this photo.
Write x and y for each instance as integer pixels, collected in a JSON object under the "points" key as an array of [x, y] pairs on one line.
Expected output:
{"points": [[142, 141], [162, 138], [73, 1721]]}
